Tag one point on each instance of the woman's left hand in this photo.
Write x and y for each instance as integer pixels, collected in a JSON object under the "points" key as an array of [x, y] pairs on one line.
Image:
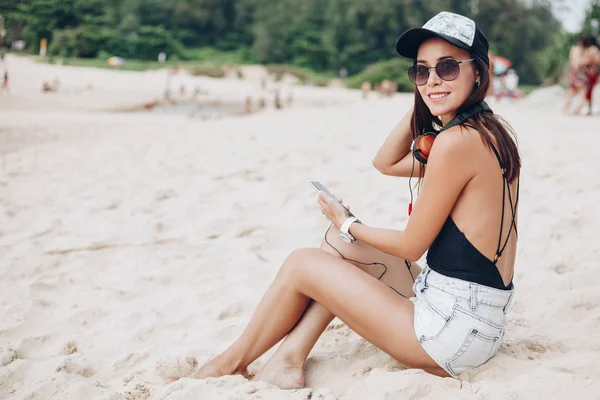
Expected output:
{"points": [[333, 210]]}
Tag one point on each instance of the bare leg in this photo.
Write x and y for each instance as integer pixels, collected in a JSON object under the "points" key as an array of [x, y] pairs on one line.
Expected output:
{"points": [[386, 320], [285, 368], [580, 101], [570, 94], [278, 311]]}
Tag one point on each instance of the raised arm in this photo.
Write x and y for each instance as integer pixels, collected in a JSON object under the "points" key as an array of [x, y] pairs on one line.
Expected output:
{"points": [[394, 157], [449, 169]]}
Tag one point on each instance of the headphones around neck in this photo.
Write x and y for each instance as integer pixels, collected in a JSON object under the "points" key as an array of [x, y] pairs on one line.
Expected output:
{"points": [[422, 144]]}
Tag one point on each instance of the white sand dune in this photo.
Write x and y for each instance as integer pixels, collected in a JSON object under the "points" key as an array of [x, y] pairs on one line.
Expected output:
{"points": [[134, 246]]}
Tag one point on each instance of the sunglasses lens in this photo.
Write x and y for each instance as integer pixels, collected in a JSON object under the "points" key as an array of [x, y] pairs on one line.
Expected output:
{"points": [[412, 74], [447, 70], [418, 74], [422, 75]]}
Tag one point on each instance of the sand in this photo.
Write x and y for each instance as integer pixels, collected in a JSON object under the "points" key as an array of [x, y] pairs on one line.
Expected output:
{"points": [[134, 246]]}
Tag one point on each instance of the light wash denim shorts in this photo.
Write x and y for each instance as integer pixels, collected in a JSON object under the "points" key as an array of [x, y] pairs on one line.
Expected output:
{"points": [[460, 324]]}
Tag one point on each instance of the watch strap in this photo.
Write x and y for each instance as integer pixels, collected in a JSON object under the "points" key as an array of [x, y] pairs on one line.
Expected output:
{"points": [[346, 226]]}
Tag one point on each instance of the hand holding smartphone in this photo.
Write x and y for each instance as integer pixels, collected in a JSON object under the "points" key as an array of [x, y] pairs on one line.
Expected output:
{"points": [[318, 186]]}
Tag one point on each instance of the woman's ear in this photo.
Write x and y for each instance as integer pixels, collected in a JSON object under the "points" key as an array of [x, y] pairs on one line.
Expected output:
{"points": [[477, 76]]}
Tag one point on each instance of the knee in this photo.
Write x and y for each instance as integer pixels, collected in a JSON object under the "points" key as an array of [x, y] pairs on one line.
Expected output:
{"points": [[296, 261]]}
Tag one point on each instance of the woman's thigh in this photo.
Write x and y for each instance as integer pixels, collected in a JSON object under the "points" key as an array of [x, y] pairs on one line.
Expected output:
{"points": [[389, 269], [366, 305]]}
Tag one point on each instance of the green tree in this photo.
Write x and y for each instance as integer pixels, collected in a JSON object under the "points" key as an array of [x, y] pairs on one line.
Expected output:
{"points": [[318, 34], [591, 24]]}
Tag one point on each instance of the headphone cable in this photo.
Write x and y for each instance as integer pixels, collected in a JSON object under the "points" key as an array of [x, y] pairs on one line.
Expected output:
{"points": [[385, 268]]}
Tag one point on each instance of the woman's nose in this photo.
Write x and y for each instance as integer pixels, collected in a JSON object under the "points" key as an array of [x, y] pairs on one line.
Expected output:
{"points": [[433, 78]]}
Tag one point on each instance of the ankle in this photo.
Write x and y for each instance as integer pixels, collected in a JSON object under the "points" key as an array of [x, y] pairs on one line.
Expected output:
{"points": [[229, 366], [290, 358]]}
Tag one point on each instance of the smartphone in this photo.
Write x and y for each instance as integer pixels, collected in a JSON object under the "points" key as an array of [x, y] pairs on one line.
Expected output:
{"points": [[318, 186]]}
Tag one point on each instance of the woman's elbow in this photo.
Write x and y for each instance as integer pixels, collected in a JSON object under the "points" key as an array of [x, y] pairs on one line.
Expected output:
{"points": [[413, 255], [413, 258], [381, 167]]}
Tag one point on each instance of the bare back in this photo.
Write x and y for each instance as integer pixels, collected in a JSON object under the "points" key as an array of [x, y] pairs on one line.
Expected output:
{"points": [[477, 211]]}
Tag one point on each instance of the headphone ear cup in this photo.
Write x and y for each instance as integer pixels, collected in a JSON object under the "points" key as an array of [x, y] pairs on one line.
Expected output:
{"points": [[422, 147]]}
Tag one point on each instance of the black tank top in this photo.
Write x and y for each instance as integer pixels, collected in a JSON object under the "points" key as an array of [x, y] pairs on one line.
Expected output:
{"points": [[451, 254]]}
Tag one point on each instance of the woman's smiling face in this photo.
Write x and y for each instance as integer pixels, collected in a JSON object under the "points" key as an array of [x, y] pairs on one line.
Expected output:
{"points": [[442, 97]]}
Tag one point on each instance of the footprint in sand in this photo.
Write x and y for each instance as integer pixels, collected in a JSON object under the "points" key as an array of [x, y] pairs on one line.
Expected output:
{"points": [[530, 348], [77, 366]]}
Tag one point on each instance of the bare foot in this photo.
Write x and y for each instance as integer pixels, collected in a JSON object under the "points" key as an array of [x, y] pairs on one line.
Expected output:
{"points": [[282, 374], [213, 369]]}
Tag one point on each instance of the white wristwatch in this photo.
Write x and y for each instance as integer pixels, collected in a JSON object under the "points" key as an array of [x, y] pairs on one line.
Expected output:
{"points": [[344, 229]]}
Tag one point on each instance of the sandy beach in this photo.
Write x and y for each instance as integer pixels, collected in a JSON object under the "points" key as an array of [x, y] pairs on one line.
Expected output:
{"points": [[134, 246]]}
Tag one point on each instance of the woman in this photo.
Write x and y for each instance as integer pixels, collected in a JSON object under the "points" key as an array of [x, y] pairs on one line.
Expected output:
{"points": [[444, 323]]}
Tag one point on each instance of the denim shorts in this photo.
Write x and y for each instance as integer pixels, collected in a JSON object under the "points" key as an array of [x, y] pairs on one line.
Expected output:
{"points": [[460, 324]]}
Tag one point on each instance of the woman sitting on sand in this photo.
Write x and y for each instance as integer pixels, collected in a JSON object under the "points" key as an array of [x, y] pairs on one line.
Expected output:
{"points": [[448, 317]]}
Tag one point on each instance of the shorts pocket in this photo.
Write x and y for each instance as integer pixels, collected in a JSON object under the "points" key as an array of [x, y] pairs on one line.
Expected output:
{"points": [[429, 321], [477, 349], [487, 321]]}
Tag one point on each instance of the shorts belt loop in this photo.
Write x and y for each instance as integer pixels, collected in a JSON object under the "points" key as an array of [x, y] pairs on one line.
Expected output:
{"points": [[473, 297], [425, 277]]}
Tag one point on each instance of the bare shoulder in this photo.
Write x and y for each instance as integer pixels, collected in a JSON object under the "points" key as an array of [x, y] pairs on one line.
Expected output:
{"points": [[456, 148], [456, 141]]}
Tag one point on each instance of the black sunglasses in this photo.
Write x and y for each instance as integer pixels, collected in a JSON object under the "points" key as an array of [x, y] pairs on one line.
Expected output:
{"points": [[447, 70]]}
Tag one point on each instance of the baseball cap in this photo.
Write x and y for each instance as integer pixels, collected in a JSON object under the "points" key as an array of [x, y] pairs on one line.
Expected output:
{"points": [[456, 29]]}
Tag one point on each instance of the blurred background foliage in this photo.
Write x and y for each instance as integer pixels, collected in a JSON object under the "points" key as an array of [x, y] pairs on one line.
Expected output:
{"points": [[322, 36]]}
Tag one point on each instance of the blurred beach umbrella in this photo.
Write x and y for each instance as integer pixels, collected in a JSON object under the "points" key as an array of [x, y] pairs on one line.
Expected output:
{"points": [[501, 64], [115, 61]]}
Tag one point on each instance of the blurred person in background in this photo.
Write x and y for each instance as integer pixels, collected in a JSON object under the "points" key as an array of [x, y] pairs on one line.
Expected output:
{"points": [[4, 86], [581, 76], [591, 67], [511, 83]]}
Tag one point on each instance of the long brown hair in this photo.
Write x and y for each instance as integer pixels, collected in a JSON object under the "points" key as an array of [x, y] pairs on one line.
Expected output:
{"points": [[490, 126]]}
